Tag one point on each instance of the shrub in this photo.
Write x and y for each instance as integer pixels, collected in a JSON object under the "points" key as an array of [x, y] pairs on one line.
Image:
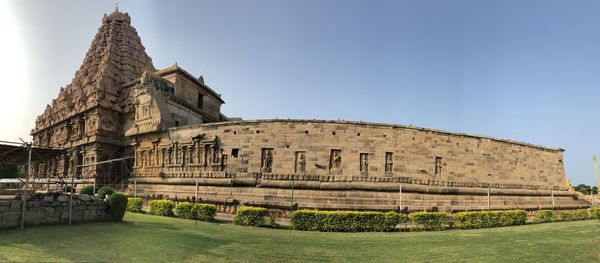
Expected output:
{"points": [[345, 221], [185, 210], [595, 213], [482, 219], [572, 215], [205, 212], [105, 191], [67, 189], [116, 205], [160, 207], [87, 190], [250, 216], [134, 205], [544, 216], [429, 220]]}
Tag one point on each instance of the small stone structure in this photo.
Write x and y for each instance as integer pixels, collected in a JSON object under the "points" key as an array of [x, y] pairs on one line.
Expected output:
{"points": [[52, 208]]}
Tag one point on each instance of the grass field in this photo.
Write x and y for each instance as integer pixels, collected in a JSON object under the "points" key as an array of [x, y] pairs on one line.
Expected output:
{"points": [[145, 238]]}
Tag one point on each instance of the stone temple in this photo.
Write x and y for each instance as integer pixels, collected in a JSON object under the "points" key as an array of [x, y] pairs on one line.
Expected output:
{"points": [[118, 105]]}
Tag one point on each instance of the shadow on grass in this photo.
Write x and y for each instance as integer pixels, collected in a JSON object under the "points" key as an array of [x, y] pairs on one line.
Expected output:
{"points": [[125, 241]]}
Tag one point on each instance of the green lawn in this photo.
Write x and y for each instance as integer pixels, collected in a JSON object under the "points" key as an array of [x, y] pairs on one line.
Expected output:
{"points": [[145, 238]]}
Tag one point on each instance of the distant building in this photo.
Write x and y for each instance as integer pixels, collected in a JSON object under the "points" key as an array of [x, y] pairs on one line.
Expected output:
{"points": [[119, 105]]}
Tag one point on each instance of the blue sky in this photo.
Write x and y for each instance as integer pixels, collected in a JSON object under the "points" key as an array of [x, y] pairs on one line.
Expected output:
{"points": [[525, 70]]}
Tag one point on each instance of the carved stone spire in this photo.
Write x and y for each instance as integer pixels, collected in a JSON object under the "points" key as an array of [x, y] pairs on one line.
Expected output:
{"points": [[115, 57]]}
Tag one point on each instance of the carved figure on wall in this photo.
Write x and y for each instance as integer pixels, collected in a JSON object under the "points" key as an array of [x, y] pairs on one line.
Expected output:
{"points": [[223, 162], [177, 151], [205, 155], [335, 161], [151, 157], [190, 154], [144, 158], [214, 153], [389, 162], [267, 160], [300, 166], [170, 155], [364, 162]]}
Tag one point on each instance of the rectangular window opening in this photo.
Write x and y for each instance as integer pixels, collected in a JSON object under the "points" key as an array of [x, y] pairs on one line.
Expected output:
{"points": [[200, 100]]}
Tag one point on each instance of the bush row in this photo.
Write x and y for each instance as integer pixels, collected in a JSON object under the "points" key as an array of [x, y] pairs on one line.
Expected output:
{"points": [[160, 207], [345, 221], [203, 212], [544, 216], [482, 219]]}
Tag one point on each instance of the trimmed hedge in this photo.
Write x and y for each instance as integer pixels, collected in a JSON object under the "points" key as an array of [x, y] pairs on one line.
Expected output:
{"points": [[573, 215], [105, 191], [161, 207], [203, 212], [134, 204], [116, 205], [87, 190], [483, 219], [185, 210], [544, 216], [345, 221], [250, 216], [595, 213], [429, 220]]}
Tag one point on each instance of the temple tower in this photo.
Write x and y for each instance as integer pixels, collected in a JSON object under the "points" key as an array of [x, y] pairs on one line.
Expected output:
{"points": [[89, 113]]}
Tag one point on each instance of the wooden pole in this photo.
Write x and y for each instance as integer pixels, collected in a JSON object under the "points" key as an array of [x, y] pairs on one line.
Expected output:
{"points": [[135, 188], [292, 202], [596, 172], [71, 195], [24, 196], [196, 189], [489, 199], [400, 199], [552, 194]]}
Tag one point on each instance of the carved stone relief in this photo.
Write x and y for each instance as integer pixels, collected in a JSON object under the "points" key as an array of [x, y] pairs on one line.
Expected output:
{"points": [[335, 162], [364, 163], [267, 160], [389, 162], [300, 166]]}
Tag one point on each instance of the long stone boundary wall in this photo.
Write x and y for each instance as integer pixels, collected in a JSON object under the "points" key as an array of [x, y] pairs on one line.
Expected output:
{"points": [[348, 165], [52, 208]]}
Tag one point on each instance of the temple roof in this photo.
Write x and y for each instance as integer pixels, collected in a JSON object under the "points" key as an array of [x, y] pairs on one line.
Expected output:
{"points": [[115, 57]]}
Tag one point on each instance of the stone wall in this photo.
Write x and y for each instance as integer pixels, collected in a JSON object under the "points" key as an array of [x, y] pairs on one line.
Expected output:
{"points": [[53, 208], [349, 149], [349, 165]]}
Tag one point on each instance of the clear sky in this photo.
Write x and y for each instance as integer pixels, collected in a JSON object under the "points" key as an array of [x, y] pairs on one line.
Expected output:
{"points": [[527, 70]]}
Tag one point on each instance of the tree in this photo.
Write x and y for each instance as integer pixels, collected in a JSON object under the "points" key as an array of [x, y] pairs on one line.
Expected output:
{"points": [[10, 171], [585, 189]]}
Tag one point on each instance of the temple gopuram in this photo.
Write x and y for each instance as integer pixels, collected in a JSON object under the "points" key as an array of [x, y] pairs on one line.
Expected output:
{"points": [[167, 129]]}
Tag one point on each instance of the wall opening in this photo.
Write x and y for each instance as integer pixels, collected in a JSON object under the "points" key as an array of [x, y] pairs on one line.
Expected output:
{"points": [[200, 102]]}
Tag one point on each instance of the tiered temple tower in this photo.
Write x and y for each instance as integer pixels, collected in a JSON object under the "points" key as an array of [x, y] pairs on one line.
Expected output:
{"points": [[92, 115]]}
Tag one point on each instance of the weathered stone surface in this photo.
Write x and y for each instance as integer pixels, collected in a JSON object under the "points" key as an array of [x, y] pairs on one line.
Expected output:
{"points": [[40, 211]]}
